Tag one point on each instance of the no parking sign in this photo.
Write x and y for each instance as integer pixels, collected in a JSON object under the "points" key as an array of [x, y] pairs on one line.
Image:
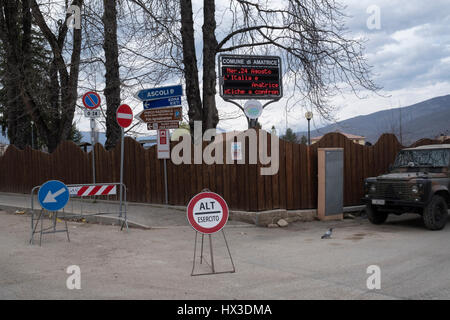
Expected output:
{"points": [[91, 100], [207, 212]]}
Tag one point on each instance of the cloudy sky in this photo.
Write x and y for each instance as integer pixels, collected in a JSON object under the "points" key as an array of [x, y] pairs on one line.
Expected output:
{"points": [[409, 52], [410, 55]]}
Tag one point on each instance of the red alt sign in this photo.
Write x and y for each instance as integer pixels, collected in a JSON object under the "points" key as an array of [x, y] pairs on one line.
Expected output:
{"points": [[207, 212], [124, 115]]}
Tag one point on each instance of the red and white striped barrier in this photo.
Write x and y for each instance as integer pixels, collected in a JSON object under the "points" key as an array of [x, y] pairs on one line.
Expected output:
{"points": [[97, 190]]}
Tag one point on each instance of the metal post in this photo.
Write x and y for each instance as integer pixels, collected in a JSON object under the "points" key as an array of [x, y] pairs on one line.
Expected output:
{"points": [[121, 171], [212, 256], [165, 182], [32, 136], [93, 152], [309, 133]]}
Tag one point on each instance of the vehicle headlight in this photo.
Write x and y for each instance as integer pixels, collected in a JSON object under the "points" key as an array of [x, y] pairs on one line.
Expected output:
{"points": [[373, 188], [415, 189]]}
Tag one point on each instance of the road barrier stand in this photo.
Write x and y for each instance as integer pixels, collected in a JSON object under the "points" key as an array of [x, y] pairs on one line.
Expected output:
{"points": [[86, 200]]}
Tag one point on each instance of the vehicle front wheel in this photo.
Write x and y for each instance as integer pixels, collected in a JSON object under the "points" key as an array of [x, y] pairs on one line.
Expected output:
{"points": [[435, 214], [374, 215]]}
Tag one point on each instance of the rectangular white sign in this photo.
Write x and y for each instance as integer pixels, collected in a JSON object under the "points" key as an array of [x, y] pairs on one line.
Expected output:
{"points": [[163, 144], [236, 151], [92, 113]]}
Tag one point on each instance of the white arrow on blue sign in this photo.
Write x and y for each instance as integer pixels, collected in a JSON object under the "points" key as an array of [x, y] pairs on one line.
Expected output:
{"points": [[53, 195], [160, 93], [161, 103]]}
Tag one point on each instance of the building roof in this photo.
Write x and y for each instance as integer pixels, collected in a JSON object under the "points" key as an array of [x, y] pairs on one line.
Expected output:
{"points": [[431, 146], [348, 135]]}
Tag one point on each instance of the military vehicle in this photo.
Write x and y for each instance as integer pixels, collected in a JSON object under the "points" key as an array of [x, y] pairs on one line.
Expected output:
{"points": [[417, 182]]}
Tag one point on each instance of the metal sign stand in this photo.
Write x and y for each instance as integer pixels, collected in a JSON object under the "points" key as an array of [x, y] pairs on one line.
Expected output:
{"points": [[51, 229], [68, 215], [213, 269]]}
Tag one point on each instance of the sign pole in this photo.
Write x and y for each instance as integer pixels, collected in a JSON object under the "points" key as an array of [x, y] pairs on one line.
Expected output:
{"points": [[165, 182], [93, 148], [121, 170], [124, 117], [212, 254]]}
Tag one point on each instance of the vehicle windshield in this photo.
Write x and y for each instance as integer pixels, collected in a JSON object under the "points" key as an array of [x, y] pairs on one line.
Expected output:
{"points": [[423, 158]]}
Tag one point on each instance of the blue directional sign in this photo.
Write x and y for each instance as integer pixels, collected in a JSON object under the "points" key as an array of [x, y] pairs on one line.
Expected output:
{"points": [[53, 195], [161, 103], [160, 93]]}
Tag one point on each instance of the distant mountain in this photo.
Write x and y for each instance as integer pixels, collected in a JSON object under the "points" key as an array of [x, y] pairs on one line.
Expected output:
{"points": [[427, 119]]}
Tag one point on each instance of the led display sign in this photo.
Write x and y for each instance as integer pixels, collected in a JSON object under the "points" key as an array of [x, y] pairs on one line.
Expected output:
{"points": [[250, 77]]}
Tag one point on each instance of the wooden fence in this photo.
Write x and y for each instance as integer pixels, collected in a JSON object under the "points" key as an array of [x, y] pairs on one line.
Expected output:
{"points": [[242, 185]]}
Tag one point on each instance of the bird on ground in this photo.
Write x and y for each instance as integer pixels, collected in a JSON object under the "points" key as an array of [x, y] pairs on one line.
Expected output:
{"points": [[327, 234]]}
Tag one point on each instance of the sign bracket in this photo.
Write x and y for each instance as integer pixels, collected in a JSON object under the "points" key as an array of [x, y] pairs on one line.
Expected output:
{"points": [[251, 122], [211, 265]]}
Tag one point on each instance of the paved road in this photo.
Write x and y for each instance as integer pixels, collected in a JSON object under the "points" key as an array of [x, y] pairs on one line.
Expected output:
{"points": [[290, 263], [146, 215]]}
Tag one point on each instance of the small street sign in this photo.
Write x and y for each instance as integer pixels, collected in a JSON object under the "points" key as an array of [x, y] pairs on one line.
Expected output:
{"points": [[207, 212], [92, 113], [160, 93], [253, 109], [163, 125], [91, 100], [162, 103], [53, 195], [163, 144], [124, 115], [236, 151], [160, 115]]}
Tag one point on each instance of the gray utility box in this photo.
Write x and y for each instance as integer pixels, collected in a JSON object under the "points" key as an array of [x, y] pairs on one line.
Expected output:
{"points": [[330, 183]]}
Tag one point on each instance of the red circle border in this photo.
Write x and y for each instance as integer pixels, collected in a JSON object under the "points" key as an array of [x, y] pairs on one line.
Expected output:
{"points": [[190, 209], [130, 120], [98, 97]]}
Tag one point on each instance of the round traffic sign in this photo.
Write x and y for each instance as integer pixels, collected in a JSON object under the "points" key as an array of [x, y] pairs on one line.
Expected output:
{"points": [[53, 195], [124, 115], [91, 100], [207, 212], [253, 109]]}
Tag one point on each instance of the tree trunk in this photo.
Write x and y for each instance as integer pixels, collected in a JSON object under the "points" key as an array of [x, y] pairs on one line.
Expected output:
{"points": [[112, 76], [190, 64], [17, 53], [60, 125], [210, 114]]}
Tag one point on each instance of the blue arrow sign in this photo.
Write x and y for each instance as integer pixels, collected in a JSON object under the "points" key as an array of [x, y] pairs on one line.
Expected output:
{"points": [[160, 93], [53, 195], [160, 103]]}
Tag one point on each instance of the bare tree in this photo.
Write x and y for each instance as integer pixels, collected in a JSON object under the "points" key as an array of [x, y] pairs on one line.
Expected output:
{"points": [[66, 88], [309, 35], [112, 76], [53, 119]]}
